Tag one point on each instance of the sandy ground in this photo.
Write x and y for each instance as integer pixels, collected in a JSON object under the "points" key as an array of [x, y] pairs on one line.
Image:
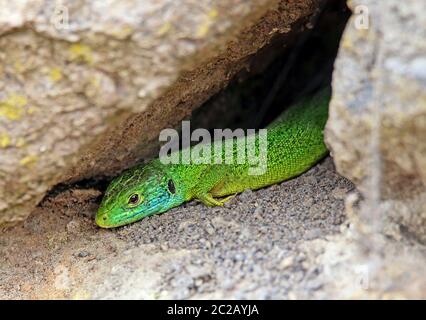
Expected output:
{"points": [[248, 249]]}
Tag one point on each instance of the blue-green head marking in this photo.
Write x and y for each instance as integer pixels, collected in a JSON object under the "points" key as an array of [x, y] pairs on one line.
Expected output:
{"points": [[136, 194]]}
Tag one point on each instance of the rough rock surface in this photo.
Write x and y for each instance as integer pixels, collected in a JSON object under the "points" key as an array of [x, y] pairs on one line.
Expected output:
{"points": [[377, 124], [85, 86]]}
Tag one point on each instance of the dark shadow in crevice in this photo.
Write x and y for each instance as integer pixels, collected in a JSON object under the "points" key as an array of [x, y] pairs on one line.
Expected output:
{"points": [[297, 72]]}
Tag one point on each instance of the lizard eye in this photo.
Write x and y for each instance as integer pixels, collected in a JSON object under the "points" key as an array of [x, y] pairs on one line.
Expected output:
{"points": [[171, 186], [134, 200]]}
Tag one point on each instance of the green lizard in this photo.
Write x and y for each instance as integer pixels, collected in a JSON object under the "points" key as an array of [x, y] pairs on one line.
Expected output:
{"points": [[294, 144]]}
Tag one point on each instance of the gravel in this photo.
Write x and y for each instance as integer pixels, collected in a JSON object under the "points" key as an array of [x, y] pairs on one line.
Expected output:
{"points": [[250, 248]]}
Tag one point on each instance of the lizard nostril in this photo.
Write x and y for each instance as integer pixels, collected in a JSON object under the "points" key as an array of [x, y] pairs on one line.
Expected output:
{"points": [[104, 218]]}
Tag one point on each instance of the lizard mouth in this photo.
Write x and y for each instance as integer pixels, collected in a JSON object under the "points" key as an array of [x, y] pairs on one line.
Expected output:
{"points": [[102, 219], [112, 219]]}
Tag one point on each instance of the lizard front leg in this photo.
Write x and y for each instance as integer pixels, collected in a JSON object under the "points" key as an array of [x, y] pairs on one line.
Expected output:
{"points": [[213, 176], [208, 199]]}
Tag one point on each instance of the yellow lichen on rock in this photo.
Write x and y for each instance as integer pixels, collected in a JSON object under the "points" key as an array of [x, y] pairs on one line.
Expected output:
{"points": [[4, 140], [28, 160], [19, 67], [55, 74], [165, 28], [81, 52], [20, 142], [204, 28], [12, 107]]}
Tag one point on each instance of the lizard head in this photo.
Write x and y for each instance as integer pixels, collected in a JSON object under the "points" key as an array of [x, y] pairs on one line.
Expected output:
{"points": [[136, 194]]}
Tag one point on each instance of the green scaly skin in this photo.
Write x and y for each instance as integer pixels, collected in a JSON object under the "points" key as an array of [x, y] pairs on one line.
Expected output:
{"points": [[294, 144]]}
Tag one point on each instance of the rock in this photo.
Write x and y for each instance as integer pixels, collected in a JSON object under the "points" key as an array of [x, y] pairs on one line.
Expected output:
{"points": [[86, 86], [377, 119], [83, 254], [287, 262]]}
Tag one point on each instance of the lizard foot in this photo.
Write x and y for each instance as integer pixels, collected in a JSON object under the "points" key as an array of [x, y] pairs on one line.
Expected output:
{"points": [[208, 200]]}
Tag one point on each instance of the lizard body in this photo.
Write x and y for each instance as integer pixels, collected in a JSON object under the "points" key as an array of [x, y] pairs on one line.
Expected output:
{"points": [[294, 144]]}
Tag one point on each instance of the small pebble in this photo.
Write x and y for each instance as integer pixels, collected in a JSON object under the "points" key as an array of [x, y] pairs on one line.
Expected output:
{"points": [[83, 254]]}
